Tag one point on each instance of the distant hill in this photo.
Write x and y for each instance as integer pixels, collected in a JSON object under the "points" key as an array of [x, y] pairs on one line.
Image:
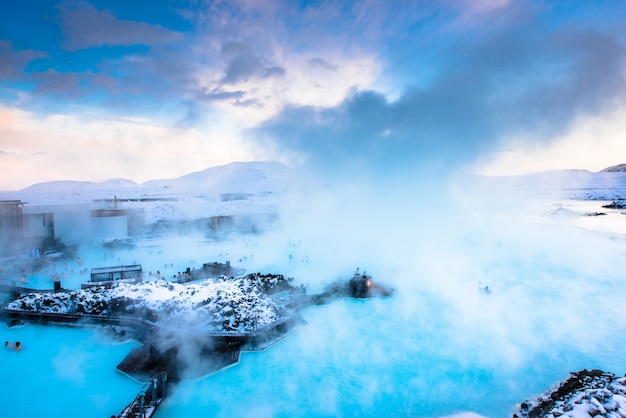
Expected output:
{"points": [[83, 186], [253, 178], [237, 177], [59, 186], [574, 179], [620, 168], [271, 178]]}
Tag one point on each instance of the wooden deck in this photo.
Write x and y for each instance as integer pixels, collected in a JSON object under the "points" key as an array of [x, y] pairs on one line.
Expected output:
{"points": [[211, 356]]}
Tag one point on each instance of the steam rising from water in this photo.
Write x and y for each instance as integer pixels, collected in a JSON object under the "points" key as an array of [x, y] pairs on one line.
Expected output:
{"points": [[440, 345]]}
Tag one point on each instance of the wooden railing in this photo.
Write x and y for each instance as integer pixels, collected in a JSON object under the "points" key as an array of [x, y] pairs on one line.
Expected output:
{"points": [[148, 399]]}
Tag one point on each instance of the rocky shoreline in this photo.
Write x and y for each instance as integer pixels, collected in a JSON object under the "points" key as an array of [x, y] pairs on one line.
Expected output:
{"points": [[227, 304], [243, 304], [586, 393]]}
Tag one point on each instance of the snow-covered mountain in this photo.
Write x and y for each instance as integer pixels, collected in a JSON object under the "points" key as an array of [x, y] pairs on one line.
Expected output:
{"points": [[262, 178], [251, 186], [620, 168], [582, 184], [252, 178]]}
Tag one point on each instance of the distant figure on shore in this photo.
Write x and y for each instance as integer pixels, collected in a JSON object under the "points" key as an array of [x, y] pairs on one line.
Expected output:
{"points": [[7, 344], [18, 346]]}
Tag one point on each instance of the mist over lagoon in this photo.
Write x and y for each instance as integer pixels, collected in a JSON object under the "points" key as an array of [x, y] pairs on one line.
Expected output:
{"points": [[461, 153], [440, 345]]}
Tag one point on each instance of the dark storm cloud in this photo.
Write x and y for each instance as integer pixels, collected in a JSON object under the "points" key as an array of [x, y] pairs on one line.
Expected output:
{"points": [[511, 80], [84, 26]]}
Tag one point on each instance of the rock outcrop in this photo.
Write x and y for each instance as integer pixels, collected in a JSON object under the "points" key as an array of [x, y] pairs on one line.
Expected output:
{"points": [[586, 393], [227, 304]]}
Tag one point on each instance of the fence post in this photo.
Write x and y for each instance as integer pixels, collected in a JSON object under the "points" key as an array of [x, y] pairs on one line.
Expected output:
{"points": [[141, 401], [154, 392]]}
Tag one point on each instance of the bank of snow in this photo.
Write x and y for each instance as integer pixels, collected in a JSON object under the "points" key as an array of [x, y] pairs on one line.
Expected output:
{"points": [[584, 394], [227, 304]]}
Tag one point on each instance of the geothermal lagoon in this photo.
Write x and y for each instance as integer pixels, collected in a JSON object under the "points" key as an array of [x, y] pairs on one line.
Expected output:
{"points": [[495, 301]]}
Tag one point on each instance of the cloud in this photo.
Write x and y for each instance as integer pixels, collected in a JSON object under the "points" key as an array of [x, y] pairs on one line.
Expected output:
{"points": [[276, 53], [243, 65], [523, 77], [240, 56], [573, 72], [13, 62], [357, 84], [64, 84], [247, 67], [482, 11], [321, 63], [217, 95], [591, 142], [96, 149], [133, 84], [84, 26], [368, 133]]}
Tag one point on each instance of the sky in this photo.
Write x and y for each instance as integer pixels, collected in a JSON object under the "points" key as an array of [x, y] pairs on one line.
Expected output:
{"points": [[94, 90]]}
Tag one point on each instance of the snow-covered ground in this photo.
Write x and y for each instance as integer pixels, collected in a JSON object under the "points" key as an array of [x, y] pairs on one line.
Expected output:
{"points": [[584, 394], [440, 346], [234, 304]]}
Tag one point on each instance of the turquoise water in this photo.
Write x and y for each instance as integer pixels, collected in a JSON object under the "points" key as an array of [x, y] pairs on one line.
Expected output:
{"points": [[63, 372], [362, 359], [439, 346]]}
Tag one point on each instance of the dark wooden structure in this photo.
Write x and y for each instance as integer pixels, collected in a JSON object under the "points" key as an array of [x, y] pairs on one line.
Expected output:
{"points": [[209, 271], [148, 399], [212, 353]]}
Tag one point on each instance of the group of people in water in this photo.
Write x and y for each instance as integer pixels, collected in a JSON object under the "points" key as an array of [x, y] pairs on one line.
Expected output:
{"points": [[16, 347]]}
